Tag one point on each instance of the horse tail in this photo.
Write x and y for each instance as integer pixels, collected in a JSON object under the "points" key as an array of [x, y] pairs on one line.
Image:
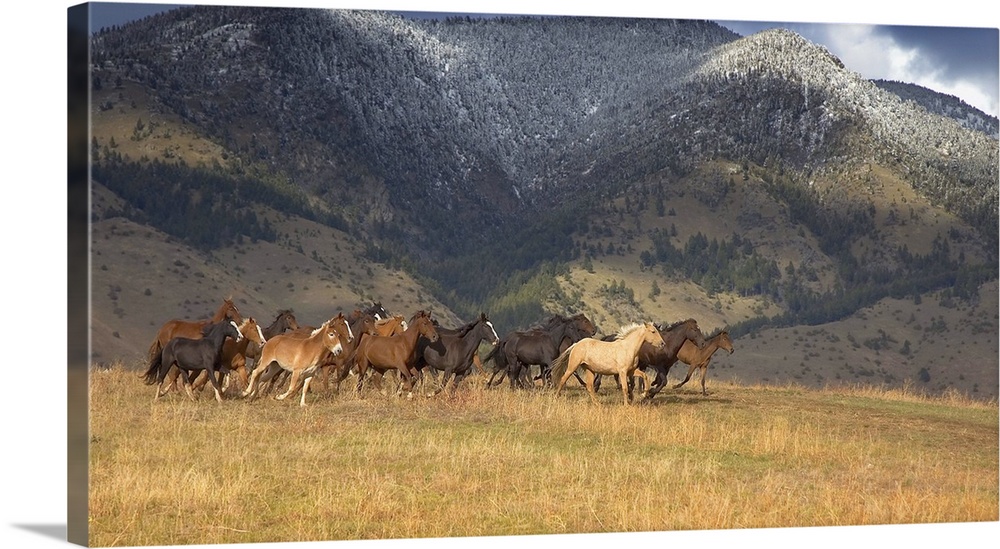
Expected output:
{"points": [[154, 367], [558, 366], [154, 350]]}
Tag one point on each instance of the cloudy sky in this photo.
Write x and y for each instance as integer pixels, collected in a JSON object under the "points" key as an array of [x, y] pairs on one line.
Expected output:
{"points": [[954, 53]]}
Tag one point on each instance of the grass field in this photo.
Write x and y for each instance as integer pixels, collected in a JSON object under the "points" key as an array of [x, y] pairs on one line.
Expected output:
{"points": [[486, 462]]}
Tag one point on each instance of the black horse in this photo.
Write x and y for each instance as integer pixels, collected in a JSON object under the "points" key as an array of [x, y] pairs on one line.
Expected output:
{"points": [[452, 353], [193, 354], [518, 350]]}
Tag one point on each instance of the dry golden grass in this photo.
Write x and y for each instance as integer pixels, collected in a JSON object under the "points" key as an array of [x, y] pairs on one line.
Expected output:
{"points": [[493, 462]]}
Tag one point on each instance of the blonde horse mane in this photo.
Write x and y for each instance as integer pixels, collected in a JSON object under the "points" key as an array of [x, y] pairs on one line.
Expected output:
{"points": [[628, 329]]}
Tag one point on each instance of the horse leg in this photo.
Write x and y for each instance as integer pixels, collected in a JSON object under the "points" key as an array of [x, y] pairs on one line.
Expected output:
{"points": [[645, 383], [293, 385], [210, 372], [691, 370], [251, 388], [187, 383], [305, 389], [704, 370], [623, 382], [658, 382], [588, 377]]}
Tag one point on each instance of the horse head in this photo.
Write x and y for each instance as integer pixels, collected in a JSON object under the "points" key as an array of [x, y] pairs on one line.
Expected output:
{"points": [[584, 325], [652, 336], [693, 332], [422, 323], [491, 336], [340, 324], [230, 311], [251, 330], [725, 343]]}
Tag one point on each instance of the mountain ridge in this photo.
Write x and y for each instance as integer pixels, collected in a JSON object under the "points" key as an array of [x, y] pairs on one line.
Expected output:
{"points": [[491, 186]]}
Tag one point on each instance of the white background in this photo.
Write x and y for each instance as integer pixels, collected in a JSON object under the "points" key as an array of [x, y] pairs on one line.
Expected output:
{"points": [[33, 446]]}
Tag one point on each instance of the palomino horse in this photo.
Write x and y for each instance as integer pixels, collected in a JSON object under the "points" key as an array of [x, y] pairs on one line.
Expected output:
{"points": [[619, 357], [233, 356], [191, 329], [395, 352], [300, 356], [697, 358], [454, 351], [520, 349], [193, 354]]}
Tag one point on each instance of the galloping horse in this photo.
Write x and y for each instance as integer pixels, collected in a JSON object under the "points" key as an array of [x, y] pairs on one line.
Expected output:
{"points": [[454, 351], [663, 358], [363, 324], [395, 352], [619, 357], [233, 356], [697, 358], [193, 354], [191, 329], [301, 356], [275, 374], [539, 346], [283, 322]]}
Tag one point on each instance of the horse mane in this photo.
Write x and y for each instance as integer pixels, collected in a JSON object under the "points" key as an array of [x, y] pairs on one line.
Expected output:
{"points": [[628, 329], [322, 327], [667, 328]]}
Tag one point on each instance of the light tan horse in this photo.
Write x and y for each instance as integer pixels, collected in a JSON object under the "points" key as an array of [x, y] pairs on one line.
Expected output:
{"points": [[300, 356], [699, 358], [619, 357]]}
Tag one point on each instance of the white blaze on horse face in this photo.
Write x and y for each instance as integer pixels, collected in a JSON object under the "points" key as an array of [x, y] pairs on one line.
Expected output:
{"points": [[496, 338], [261, 335], [337, 349], [350, 334], [239, 335]]}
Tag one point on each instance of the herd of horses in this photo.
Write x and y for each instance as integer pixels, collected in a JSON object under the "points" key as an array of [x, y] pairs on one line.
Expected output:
{"points": [[372, 342]]}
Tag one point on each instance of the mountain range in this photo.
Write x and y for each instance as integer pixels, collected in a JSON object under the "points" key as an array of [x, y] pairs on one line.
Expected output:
{"points": [[531, 165]]}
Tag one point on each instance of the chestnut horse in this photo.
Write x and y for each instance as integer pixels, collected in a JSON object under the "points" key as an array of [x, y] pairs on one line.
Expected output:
{"points": [[283, 322], [619, 357], [191, 329], [300, 356], [395, 352], [274, 374]]}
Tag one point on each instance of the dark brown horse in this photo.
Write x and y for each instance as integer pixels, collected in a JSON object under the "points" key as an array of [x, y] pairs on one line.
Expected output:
{"points": [[454, 351], [395, 352], [518, 350], [674, 337], [191, 329], [188, 355], [233, 358]]}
